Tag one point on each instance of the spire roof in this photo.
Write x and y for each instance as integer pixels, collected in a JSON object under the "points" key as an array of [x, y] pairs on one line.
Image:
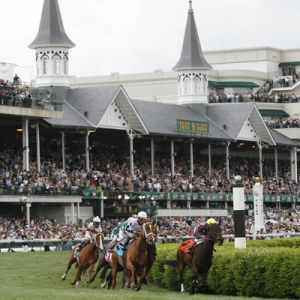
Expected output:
{"points": [[191, 53], [51, 31]]}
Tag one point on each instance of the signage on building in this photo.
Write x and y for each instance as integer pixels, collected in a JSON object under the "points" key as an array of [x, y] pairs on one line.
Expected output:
{"points": [[192, 126]]}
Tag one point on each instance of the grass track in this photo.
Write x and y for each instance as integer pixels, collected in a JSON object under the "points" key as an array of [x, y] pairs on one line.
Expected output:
{"points": [[37, 275]]}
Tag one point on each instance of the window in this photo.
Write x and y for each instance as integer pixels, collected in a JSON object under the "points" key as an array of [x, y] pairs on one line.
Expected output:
{"points": [[187, 86], [56, 66], [45, 66], [65, 67], [197, 85]]}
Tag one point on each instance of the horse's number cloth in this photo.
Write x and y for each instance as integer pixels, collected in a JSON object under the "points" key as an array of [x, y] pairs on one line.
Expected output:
{"points": [[108, 256]]}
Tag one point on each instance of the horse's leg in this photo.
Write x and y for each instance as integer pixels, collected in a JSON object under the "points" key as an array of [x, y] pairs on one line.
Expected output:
{"points": [[90, 270], [109, 279], [100, 265], [194, 279], [204, 278], [114, 268], [181, 267], [102, 275], [71, 262], [143, 276]]}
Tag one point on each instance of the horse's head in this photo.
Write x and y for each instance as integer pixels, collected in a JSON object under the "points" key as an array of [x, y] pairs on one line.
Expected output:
{"points": [[215, 234], [98, 240], [147, 231]]}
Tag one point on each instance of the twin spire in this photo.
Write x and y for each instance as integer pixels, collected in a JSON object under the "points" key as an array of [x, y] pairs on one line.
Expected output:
{"points": [[191, 54], [51, 31]]}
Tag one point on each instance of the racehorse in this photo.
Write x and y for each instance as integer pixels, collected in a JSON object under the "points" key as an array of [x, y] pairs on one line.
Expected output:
{"points": [[86, 259], [150, 259], [103, 263], [201, 261], [135, 257]]}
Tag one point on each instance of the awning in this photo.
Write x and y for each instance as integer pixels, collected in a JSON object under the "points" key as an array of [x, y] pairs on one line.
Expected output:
{"points": [[292, 63], [225, 84], [273, 113]]}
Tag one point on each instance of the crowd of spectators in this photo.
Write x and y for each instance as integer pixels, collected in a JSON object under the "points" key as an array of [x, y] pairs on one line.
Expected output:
{"points": [[283, 123], [281, 222], [14, 93]]}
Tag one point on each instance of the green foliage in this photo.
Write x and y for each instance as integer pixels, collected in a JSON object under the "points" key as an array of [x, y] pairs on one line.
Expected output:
{"points": [[265, 268]]}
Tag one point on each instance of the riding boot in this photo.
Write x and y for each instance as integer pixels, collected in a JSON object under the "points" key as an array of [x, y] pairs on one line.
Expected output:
{"points": [[124, 244], [84, 243], [191, 248]]}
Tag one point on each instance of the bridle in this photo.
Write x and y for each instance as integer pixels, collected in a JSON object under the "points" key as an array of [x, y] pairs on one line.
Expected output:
{"points": [[214, 236], [100, 246], [146, 235]]}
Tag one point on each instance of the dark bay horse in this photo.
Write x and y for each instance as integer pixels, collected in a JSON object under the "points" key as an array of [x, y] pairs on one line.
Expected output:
{"points": [[135, 258], [86, 259], [201, 260]]}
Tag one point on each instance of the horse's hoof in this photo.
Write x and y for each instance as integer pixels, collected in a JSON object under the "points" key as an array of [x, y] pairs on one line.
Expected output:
{"points": [[132, 286], [63, 277], [72, 282], [90, 280], [103, 284], [127, 284], [145, 281]]}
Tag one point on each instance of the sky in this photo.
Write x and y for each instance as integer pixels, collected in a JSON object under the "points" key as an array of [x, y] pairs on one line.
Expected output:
{"points": [[139, 36]]}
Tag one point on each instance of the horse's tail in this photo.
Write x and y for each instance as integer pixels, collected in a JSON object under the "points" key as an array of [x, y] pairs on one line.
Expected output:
{"points": [[169, 262]]}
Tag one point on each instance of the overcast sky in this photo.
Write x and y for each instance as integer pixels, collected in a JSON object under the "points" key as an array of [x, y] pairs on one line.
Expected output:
{"points": [[133, 36]]}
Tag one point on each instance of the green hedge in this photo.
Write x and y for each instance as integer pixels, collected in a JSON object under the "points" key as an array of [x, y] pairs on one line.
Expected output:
{"points": [[265, 268]]}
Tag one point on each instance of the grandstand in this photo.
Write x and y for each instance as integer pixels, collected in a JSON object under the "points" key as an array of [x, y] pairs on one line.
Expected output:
{"points": [[146, 121]]}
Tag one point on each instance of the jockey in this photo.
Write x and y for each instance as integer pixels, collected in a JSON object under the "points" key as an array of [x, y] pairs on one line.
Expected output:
{"points": [[92, 229], [200, 231], [132, 228]]}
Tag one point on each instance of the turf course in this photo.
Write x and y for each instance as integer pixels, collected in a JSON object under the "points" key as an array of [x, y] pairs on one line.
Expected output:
{"points": [[37, 275]]}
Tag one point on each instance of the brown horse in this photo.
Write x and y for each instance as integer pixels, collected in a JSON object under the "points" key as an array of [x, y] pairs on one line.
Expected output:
{"points": [[150, 259], [135, 257], [201, 260], [86, 259]]}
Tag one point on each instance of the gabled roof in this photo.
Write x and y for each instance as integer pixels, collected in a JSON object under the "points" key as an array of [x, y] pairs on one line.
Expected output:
{"points": [[51, 31], [191, 54], [161, 119], [99, 107], [223, 114]]}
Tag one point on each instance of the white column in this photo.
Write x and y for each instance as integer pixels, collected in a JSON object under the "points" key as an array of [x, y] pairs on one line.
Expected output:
{"points": [[131, 152], [63, 151], [192, 159], [276, 163], [260, 159], [227, 159], [152, 156], [38, 150], [172, 158], [87, 150], [78, 212], [72, 213], [209, 158], [28, 205]]}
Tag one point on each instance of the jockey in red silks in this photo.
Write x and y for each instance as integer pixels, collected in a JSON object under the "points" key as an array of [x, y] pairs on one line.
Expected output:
{"points": [[92, 229]]}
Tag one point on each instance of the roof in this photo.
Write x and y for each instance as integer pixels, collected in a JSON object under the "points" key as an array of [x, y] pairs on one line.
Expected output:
{"points": [[85, 106], [273, 112], [232, 84], [51, 31], [166, 115], [191, 54], [282, 140]]}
